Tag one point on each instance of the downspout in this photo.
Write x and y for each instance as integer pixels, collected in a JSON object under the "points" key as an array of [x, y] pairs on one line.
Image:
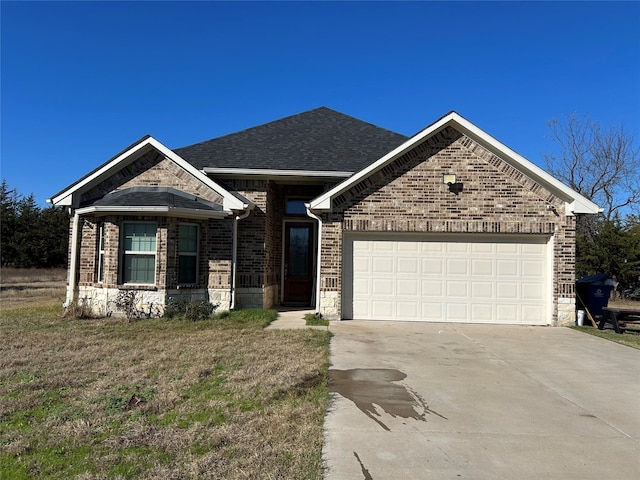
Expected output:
{"points": [[73, 264], [319, 253], [234, 256]]}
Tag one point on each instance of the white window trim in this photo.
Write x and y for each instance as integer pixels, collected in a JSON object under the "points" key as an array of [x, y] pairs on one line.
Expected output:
{"points": [[138, 252], [102, 239], [189, 254]]}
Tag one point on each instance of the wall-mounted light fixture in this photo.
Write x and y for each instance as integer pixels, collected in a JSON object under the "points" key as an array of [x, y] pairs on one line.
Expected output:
{"points": [[553, 209], [450, 180]]}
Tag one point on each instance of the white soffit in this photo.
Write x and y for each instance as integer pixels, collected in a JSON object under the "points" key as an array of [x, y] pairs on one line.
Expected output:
{"points": [[275, 173]]}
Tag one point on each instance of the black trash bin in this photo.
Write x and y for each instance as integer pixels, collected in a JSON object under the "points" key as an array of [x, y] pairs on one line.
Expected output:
{"points": [[593, 293]]}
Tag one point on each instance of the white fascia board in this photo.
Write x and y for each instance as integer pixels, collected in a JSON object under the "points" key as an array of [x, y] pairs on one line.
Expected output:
{"points": [[276, 173], [577, 202], [67, 197], [152, 210]]}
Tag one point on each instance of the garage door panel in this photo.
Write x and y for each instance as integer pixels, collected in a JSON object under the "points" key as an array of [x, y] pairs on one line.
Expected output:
{"points": [[412, 247], [507, 248], [483, 248], [457, 312], [382, 286], [507, 313], [382, 264], [456, 247], [382, 246], [408, 287], [432, 266], [482, 267], [362, 307], [362, 245], [407, 309], [432, 311], [532, 249], [432, 247], [482, 313], [484, 279], [361, 265], [361, 287], [531, 315], [532, 291], [482, 290], [507, 291], [383, 309], [457, 266], [432, 288], [531, 269], [407, 266], [507, 268]]}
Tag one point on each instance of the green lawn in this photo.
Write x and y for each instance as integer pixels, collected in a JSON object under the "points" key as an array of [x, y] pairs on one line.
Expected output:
{"points": [[630, 339], [159, 398]]}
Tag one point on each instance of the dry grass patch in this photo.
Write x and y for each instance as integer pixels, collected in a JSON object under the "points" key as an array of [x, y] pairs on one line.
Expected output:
{"points": [[159, 398], [31, 286]]}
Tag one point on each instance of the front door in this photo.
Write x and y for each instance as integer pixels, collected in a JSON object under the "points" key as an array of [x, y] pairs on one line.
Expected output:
{"points": [[298, 263]]}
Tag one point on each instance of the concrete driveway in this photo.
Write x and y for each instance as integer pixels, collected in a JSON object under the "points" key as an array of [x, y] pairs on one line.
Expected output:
{"points": [[421, 401]]}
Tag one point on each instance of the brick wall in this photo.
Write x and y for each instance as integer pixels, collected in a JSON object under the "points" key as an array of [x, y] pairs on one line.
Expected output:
{"points": [[252, 239], [152, 170], [409, 195]]}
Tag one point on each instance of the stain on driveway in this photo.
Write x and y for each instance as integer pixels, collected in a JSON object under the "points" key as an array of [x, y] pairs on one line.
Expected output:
{"points": [[368, 387]]}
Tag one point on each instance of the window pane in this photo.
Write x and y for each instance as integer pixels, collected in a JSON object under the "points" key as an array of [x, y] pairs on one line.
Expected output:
{"points": [[188, 238], [187, 269], [139, 269], [140, 237], [298, 251], [101, 267], [102, 235], [296, 207]]}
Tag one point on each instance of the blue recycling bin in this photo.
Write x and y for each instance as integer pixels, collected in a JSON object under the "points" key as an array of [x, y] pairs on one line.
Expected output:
{"points": [[593, 293]]}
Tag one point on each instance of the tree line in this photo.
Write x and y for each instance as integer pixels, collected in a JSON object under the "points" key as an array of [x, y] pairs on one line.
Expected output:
{"points": [[30, 236], [602, 164]]}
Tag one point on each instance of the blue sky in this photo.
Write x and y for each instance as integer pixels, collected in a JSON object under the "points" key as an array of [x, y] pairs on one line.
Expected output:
{"points": [[80, 81]]}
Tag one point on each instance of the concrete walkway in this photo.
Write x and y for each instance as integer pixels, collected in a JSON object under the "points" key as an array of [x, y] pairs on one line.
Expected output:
{"points": [[291, 319], [444, 401]]}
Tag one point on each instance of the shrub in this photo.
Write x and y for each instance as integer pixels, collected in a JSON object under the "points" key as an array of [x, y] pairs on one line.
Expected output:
{"points": [[192, 310]]}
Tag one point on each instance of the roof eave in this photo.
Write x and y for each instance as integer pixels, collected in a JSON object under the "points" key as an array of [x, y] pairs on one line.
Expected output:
{"points": [[70, 195], [577, 202], [162, 210], [273, 173]]}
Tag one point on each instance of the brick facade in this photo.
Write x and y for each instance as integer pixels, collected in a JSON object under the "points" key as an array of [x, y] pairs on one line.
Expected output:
{"points": [[152, 170], [408, 195], [215, 243], [260, 241]]}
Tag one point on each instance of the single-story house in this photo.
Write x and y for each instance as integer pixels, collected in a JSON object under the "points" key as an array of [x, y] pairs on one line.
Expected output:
{"points": [[322, 210]]}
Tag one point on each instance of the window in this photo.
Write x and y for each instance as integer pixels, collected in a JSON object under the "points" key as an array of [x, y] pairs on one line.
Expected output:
{"points": [[296, 207], [100, 262], [187, 254], [139, 253]]}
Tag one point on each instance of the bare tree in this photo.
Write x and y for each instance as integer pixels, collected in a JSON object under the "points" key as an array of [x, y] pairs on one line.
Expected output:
{"points": [[603, 165]]}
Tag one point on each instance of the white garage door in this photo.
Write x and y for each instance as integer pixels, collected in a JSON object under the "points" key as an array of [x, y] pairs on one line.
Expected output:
{"points": [[480, 279]]}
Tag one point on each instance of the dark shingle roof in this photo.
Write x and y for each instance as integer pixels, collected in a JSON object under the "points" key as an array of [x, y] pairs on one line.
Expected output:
{"points": [[318, 140], [154, 197]]}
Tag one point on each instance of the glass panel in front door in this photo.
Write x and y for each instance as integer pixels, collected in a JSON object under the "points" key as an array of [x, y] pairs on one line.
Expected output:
{"points": [[299, 251]]}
